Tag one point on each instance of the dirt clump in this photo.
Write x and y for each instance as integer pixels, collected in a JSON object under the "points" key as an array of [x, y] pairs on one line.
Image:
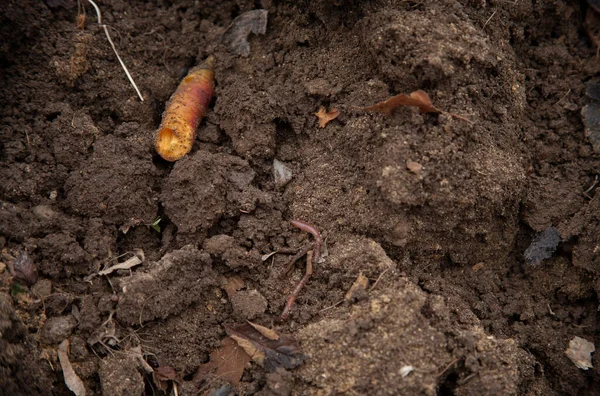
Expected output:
{"points": [[424, 286]]}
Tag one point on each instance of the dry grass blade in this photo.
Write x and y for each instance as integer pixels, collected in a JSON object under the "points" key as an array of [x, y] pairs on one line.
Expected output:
{"points": [[99, 15], [72, 380]]}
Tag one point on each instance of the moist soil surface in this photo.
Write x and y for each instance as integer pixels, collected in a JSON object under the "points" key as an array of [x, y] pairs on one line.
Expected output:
{"points": [[431, 213]]}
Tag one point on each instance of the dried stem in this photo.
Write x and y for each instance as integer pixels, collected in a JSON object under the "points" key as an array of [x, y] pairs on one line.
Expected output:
{"points": [[99, 15]]}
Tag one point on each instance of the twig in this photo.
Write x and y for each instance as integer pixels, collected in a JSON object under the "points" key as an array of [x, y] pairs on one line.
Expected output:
{"points": [[562, 97], [447, 368], [592, 186], [489, 19], [332, 306], [99, 15], [379, 278]]}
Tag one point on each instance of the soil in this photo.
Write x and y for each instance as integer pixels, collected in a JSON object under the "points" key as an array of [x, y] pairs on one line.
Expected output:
{"points": [[435, 211]]}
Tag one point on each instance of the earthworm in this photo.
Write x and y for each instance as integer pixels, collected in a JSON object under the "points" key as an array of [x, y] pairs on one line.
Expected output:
{"points": [[314, 257], [184, 111]]}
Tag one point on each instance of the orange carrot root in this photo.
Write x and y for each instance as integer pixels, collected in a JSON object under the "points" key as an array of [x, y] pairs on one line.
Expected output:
{"points": [[184, 112]]}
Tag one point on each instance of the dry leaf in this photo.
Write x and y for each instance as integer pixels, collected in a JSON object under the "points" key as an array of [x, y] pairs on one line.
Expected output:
{"points": [[358, 288], [162, 375], [269, 333], [284, 352], [72, 380], [227, 363], [418, 99], [325, 116], [232, 285]]}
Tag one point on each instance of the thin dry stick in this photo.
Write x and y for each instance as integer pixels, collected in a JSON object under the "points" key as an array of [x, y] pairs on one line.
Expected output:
{"points": [[489, 19], [99, 15], [379, 278]]}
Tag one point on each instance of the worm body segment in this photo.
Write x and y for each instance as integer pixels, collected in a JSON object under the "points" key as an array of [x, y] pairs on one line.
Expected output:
{"points": [[184, 111]]}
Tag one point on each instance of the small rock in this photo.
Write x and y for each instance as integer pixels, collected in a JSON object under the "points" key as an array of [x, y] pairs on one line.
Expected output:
{"points": [[318, 87], [282, 173], [44, 212], [249, 304], [543, 246], [2, 267], [57, 329], [580, 352], [414, 167]]}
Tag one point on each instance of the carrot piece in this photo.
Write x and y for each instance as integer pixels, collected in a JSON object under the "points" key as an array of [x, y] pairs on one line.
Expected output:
{"points": [[184, 112]]}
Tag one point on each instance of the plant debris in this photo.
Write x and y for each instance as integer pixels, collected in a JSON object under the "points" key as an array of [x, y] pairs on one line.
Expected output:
{"points": [[358, 288], [137, 259], [418, 99], [227, 362], [232, 285], [580, 352], [267, 352], [162, 377], [23, 268], [269, 333], [72, 380], [236, 35], [325, 116], [543, 246]]}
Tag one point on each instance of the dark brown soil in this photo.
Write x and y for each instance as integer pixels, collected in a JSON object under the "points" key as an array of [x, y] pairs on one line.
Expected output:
{"points": [[453, 296]]}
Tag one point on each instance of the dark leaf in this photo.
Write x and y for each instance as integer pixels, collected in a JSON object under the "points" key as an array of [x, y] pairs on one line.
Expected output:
{"points": [[283, 352]]}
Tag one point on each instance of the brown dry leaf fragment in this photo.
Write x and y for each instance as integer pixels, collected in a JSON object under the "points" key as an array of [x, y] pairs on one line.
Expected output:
{"points": [[325, 116], [162, 375], [232, 285], [269, 333], [72, 380], [80, 21], [358, 288], [418, 99], [227, 363], [284, 352]]}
